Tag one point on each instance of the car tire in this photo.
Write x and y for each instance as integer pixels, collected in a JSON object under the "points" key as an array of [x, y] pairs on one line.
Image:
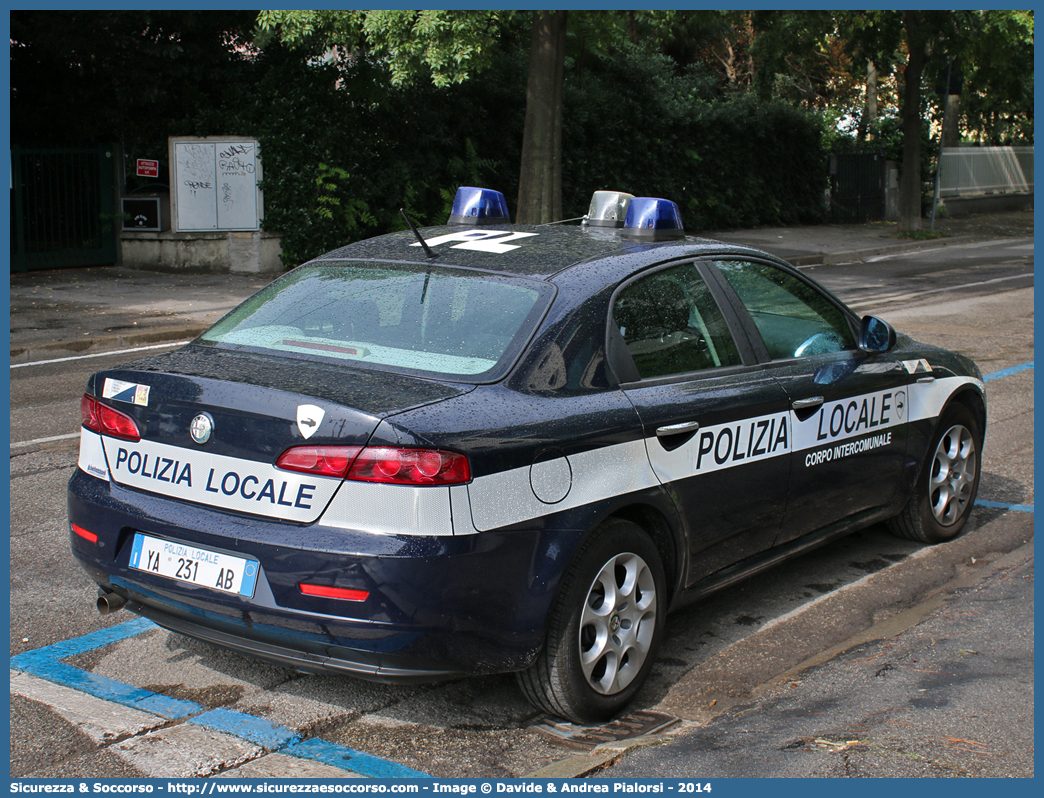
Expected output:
{"points": [[605, 627], [945, 491]]}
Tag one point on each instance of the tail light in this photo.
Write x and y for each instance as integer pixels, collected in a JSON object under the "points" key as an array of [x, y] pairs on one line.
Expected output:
{"points": [[347, 594], [385, 464], [410, 466], [90, 537], [99, 417], [328, 461]]}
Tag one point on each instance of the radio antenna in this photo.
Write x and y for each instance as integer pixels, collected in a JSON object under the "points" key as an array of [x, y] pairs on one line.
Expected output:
{"points": [[416, 232]]}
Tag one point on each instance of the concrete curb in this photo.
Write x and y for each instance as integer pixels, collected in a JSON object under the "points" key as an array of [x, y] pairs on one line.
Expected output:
{"points": [[101, 344], [602, 756], [909, 618], [859, 255]]}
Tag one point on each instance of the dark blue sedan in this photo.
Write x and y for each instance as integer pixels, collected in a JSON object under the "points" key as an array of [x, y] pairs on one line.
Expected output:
{"points": [[486, 448]]}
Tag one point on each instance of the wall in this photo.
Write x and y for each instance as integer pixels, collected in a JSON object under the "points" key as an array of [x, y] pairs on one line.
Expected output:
{"points": [[985, 203], [235, 253]]}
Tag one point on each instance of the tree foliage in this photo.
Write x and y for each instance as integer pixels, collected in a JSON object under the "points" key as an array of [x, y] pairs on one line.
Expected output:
{"points": [[635, 124], [730, 113], [997, 61], [344, 148], [138, 77], [451, 46]]}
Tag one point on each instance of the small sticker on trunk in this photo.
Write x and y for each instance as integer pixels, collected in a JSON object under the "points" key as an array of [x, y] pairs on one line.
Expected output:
{"points": [[129, 392]]}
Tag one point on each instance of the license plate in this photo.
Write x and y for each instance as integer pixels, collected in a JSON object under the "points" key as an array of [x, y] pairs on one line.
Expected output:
{"points": [[196, 566]]}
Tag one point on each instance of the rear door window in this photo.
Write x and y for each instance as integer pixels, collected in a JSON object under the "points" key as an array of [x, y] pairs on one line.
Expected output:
{"points": [[672, 325]]}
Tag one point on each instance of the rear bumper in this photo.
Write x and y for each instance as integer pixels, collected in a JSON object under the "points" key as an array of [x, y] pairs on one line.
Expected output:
{"points": [[309, 658], [438, 606]]}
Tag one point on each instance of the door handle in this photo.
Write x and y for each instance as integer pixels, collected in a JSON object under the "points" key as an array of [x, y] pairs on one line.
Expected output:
{"points": [[807, 404], [926, 380], [677, 429]]}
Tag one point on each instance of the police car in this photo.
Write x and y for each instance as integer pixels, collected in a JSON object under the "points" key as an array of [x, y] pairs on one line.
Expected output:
{"points": [[486, 448]]}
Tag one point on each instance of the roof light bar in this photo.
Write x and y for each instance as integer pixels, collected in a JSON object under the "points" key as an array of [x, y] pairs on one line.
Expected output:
{"points": [[608, 209], [478, 206], [653, 218]]}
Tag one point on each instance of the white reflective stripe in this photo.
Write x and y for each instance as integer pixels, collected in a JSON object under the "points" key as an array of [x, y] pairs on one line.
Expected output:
{"points": [[229, 483], [390, 509], [851, 417], [724, 446], [92, 455], [507, 498], [873, 413], [461, 506], [928, 399]]}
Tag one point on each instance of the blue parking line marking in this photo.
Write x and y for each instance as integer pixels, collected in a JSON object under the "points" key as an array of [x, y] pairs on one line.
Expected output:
{"points": [[349, 759], [46, 663], [108, 689], [1008, 372], [247, 727], [88, 642], [1022, 508]]}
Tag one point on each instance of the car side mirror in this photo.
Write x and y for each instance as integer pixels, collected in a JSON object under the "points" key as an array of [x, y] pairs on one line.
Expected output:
{"points": [[876, 335]]}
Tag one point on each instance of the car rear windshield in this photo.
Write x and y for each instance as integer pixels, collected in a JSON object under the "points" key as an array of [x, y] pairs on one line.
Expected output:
{"points": [[449, 323]]}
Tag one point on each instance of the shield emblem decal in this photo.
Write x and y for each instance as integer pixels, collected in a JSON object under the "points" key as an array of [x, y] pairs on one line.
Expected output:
{"points": [[309, 417], [900, 403]]}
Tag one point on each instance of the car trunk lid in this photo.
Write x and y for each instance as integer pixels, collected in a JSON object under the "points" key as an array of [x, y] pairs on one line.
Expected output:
{"points": [[254, 408]]}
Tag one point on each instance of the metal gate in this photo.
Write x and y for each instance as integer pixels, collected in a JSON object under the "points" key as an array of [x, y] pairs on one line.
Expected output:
{"points": [[62, 211], [857, 186]]}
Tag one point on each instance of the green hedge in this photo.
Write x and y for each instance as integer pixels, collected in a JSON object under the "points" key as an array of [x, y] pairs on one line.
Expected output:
{"points": [[344, 150], [728, 161]]}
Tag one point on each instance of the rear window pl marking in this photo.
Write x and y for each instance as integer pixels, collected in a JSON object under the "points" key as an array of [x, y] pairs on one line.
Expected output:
{"points": [[274, 338], [325, 347]]}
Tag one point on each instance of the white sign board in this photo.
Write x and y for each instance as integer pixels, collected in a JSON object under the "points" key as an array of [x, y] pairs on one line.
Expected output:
{"points": [[214, 184]]}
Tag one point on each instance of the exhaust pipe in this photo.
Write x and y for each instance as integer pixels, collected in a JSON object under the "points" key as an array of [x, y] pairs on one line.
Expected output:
{"points": [[110, 602]]}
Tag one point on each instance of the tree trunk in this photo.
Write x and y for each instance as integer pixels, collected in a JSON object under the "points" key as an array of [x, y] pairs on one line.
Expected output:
{"points": [[951, 132], [868, 129], [540, 178], [910, 179]]}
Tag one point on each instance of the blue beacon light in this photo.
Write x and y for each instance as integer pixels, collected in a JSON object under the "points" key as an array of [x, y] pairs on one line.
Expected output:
{"points": [[478, 206], [653, 218]]}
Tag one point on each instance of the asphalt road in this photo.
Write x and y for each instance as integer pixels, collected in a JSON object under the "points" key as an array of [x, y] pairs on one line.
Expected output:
{"points": [[975, 299]]}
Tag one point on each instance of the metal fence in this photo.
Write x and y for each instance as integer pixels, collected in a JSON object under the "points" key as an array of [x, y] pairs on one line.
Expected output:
{"points": [[857, 186], [62, 210], [965, 171]]}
